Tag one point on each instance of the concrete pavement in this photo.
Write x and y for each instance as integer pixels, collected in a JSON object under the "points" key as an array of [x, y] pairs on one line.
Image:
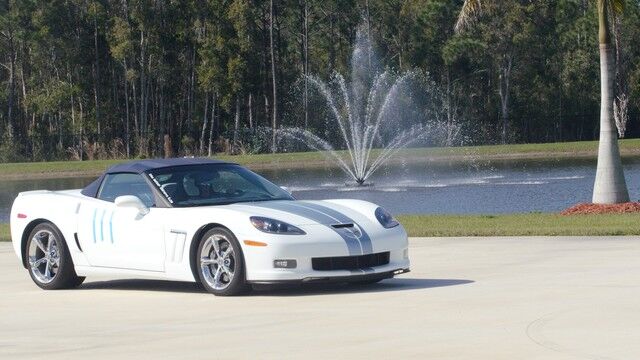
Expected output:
{"points": [[466, 298]]}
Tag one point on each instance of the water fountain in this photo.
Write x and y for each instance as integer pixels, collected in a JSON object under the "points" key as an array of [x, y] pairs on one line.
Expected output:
{"points": [[365, 111]]}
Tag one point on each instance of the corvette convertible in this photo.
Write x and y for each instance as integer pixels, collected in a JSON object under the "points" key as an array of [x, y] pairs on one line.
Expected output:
{"points": [[201, 220]]}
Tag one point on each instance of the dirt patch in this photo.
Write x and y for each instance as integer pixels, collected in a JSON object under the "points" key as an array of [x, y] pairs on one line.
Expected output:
{"points": [[588, 208]]}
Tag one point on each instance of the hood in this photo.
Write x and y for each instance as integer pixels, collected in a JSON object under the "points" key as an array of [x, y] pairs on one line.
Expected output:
{"points": [[344, 220], [297, 212]]}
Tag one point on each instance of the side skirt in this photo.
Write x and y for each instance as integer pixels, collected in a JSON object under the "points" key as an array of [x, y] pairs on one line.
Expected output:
{"points": [[126, 273]]}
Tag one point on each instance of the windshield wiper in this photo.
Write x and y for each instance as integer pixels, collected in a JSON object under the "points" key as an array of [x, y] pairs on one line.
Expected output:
{"points": [[229, 202]]}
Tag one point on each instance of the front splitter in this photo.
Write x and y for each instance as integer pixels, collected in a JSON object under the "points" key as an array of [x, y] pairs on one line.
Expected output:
{"points": [[334, 279]]}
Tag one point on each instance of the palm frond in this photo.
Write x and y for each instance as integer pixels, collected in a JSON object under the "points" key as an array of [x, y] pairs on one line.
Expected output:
{"points": [[470, 10], [617, 6]]}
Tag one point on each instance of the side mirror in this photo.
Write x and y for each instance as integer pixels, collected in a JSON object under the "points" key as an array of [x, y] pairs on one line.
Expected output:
{"points": [[130, 201]]}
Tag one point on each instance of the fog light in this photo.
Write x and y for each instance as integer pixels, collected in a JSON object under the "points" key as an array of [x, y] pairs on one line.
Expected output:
{"points": [[285, 264]]}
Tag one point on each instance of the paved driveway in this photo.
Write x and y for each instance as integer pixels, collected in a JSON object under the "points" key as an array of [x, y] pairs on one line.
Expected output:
{"points": [[466, 298]]}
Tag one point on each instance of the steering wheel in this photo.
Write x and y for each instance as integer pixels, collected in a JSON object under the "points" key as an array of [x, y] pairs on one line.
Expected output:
{"points": [[237, 192]]}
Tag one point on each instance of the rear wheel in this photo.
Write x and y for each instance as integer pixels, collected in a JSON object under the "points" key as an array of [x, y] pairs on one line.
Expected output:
{"points": [[221, 264], [48, 260]]}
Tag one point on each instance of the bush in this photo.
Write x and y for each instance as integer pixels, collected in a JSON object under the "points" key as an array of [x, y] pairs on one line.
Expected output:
{"points": [[8, 149]]}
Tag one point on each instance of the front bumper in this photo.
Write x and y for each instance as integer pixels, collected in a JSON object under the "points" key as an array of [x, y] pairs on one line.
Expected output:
{"points": [[319, 242], [334, 279]]}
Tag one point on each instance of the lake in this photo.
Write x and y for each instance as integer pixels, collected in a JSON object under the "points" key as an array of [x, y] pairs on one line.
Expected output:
{"points": [[471, 188]]}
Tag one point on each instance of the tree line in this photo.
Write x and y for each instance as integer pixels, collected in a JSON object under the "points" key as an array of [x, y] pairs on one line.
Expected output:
{"points": [[85, 79]]}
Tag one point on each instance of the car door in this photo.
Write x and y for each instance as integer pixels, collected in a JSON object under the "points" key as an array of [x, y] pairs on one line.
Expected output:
{"points": [[122, 237]]}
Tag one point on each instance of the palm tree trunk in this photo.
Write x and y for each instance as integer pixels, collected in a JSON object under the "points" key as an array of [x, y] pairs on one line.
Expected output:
{"points": [[306, 64], [212, 124], [273, 77], [504, 91], [236, 126], [610, 186], [96, 78], [12, 80], [126, 102], [204, 124]]}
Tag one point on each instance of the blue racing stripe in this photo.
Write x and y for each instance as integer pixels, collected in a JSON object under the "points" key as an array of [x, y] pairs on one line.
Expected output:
{"points": [[365, 240], [338, 218], [353, 245], [95, 211]]}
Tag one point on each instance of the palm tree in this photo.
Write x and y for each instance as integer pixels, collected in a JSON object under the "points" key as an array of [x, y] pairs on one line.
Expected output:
{"points": [[610, 186]]}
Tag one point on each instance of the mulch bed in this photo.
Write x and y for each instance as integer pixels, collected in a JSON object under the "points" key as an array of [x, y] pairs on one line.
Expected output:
{"points": [[587, 208]]}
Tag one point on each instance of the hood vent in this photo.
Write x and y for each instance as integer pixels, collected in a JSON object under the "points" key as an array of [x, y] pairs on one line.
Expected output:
{"points": [[341, 226]]}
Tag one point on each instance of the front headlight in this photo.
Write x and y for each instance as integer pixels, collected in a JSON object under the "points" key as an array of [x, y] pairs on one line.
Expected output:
{"points": [[385, 218], [273, 226]]}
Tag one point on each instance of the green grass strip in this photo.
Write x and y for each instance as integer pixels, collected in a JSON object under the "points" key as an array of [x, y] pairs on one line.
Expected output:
{"points": [[629, 147], [521, 225], [5, 235]]}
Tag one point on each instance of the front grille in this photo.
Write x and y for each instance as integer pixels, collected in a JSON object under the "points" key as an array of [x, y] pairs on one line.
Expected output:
{"points": [[350, 262]]}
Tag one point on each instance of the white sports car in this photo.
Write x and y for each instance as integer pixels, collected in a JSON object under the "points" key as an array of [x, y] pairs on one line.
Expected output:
{"points": [[204, 221]]}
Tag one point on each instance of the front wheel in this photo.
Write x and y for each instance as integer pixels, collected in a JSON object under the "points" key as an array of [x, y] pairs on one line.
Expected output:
{"points": [[221, 263], [48, 260]]}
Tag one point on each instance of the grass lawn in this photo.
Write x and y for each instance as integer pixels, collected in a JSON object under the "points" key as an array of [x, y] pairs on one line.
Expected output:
{"points": [[521, 224], [4, 232], [584, 149], [504, 225]]}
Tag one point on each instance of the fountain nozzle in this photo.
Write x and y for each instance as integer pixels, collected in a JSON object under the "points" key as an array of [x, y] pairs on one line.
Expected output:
{"points": [[358, 182]]}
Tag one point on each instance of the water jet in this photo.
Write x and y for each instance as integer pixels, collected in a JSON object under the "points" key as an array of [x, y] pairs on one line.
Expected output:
{"points": [[369, 112]]}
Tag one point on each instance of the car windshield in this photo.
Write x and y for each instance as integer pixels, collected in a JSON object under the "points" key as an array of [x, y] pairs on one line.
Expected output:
{"points": [[213, 184]]}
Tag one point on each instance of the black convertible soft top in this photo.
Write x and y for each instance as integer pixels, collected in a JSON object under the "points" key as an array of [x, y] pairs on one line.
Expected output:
{"points": [[141, 166]]}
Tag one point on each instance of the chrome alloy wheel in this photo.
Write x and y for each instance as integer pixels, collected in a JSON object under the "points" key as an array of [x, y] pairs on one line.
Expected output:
{"points": [[217, 262], [44, 256]]}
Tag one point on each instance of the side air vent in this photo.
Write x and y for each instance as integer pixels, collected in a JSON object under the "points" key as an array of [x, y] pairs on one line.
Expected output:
{"points": [[75, 236]]}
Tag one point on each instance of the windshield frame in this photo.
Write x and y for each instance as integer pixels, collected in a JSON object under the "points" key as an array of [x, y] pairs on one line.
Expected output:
{"points": [[157, 186]]}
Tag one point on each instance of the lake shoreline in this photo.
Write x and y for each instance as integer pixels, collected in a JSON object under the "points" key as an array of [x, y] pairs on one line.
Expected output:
{"points": [[309, 160]]}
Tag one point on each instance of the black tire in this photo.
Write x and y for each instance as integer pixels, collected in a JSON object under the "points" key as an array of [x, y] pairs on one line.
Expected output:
{"points": [[65, 276], [237, 285], [78, 282]]}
